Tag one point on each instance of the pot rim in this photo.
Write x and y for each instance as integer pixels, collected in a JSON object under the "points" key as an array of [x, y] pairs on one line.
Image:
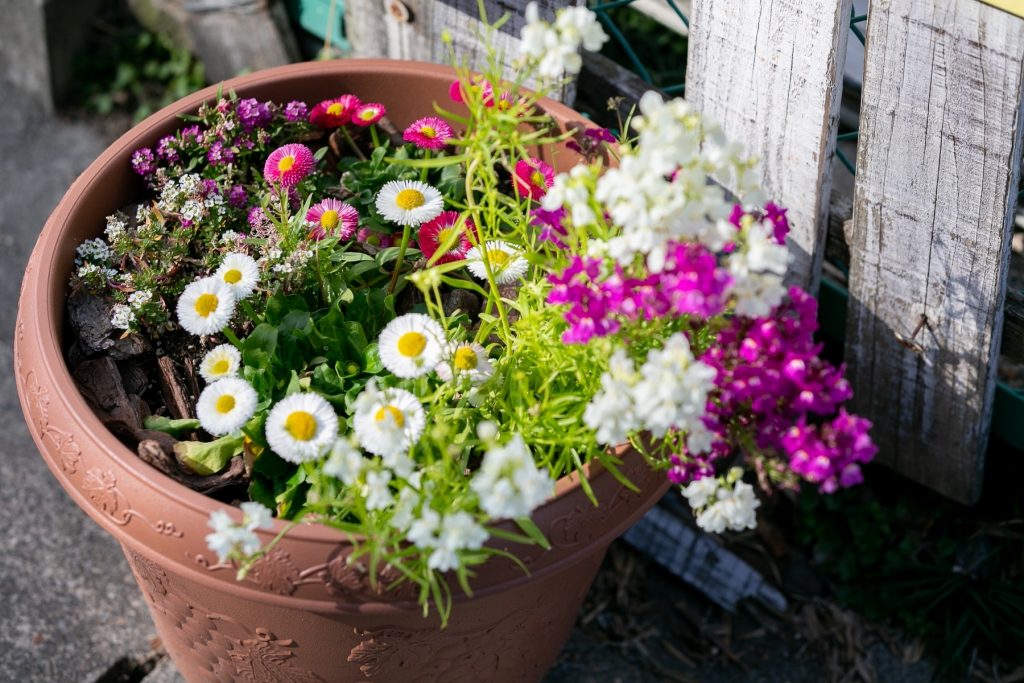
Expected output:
{"points": [[52, 287]]}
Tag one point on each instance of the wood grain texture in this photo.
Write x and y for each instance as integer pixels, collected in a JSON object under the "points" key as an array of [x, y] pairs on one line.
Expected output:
{"points": [[412, 29], [769, 71], [937, 171]]}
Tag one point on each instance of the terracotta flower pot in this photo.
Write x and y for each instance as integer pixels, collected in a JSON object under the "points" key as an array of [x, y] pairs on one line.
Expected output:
{"points": [[303, 613]]}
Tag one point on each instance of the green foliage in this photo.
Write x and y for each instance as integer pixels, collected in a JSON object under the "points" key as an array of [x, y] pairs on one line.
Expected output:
{"points": [[661, 51]]}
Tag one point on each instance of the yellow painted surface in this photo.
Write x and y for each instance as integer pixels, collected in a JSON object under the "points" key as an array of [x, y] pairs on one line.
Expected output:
{"points": [[1012, 6]]}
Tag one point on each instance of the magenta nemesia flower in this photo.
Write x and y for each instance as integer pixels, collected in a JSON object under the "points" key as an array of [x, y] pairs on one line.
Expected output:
{"points": [[533, 177], [375, 239], [368, 114], [296, 110], [288, 165], [433, 234], [332, 217], [334, 113], [429, 132]]}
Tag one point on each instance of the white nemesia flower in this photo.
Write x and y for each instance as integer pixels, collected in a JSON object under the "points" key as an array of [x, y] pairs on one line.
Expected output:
{"points": [[734, 509], [556, 47], [222, 361], [240, 272], [508, 483], [611, 413], [411, 345], [345, 462], [573, 191], [673, 391], [121, 316], [301, 427], [402, 517], [422, 530], [237, 540], [507, 264], [387, 423], [377, 491], [459, 531], [409, 202], [757, 268], [468, 359], [700, 491], [206, 306], [226, 405]]}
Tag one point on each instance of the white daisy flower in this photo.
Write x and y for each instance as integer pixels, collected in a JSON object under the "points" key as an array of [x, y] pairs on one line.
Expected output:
{"points": [[388, 422], [507, 264], [222, 361], [240, 272], [467, 359], [345, 462], [226, 405], [302, 427], [206, 306], [410, 345], [409, 202]]}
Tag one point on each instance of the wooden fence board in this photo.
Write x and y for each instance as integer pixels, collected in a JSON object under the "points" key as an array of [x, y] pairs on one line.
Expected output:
{"points": [[769, 72], [937, 172], [412, 29]]}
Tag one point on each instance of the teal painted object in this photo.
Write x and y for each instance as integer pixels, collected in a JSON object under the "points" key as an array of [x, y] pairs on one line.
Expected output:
{"points": [[312, 16], [1008, 410]]}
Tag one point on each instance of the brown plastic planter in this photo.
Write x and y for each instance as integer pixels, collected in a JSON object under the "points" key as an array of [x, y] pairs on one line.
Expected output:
{"points": [[302, 614]]}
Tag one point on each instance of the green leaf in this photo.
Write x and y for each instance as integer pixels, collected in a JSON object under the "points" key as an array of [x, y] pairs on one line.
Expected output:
{"points": [[371, 359], [434, 162], [209, 457], [172, 427], [530, 529]]}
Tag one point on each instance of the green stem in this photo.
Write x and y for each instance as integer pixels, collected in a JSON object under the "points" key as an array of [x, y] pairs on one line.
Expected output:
{"points": [[423, 171], [352, 143], [471, 204], [249, 311], [231, 337], [406, 232], [374, 136]]}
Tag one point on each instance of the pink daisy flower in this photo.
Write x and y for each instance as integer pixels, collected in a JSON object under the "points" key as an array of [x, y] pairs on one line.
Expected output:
{"points": [[368, 114], [288, 165], [375, 239], [429, 132], [433, 234], [533, 178], [334, 113], [457, 90], [332, 217]]}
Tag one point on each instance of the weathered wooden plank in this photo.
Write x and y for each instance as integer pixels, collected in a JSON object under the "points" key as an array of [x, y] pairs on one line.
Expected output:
{"points": [[412, 29], [770, 72], [937, 172]]}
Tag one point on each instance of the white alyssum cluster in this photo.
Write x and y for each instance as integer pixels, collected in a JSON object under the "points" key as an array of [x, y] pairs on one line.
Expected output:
{"points": [[555, 48], [94, 251], [121, 316], [669, 392], [116, 227], [237, 541], [757, 267], [508, 483], [719, 507]]}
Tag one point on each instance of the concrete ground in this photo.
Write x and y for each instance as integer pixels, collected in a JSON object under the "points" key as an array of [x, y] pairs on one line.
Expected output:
{"points": [[69, 608]]}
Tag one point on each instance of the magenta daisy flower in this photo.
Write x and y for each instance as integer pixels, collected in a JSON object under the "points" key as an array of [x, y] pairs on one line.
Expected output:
{"points": [[288, 165], [433, 235], [429, 132], [375, 239], [332, 217], [533, 178], [368, 114], [334, 113]]}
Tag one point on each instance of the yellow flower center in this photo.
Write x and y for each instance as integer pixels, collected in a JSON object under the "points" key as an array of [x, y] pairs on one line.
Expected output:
{"points": [[335, 109], [498, 258], [221, 367], [394, 412], [428, 132], [537, 178], [329, 219], [465, 359], [445, 234], [301, 425], [367, 114], [232, 276], [206, 304], [411, 344], [286, 163], [409, 199], [225, 404]]}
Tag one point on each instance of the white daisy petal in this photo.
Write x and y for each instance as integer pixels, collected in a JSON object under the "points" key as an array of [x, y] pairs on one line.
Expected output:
{"points": [[467, 359], [409, 202], [507, 263], [222, 361], [411, 345], [240, 272], [302, 427], [226, 405], [389, 425], [206, 306]]}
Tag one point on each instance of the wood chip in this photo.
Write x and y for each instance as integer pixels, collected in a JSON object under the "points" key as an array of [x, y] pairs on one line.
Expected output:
{"points": [[175, 396]]}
